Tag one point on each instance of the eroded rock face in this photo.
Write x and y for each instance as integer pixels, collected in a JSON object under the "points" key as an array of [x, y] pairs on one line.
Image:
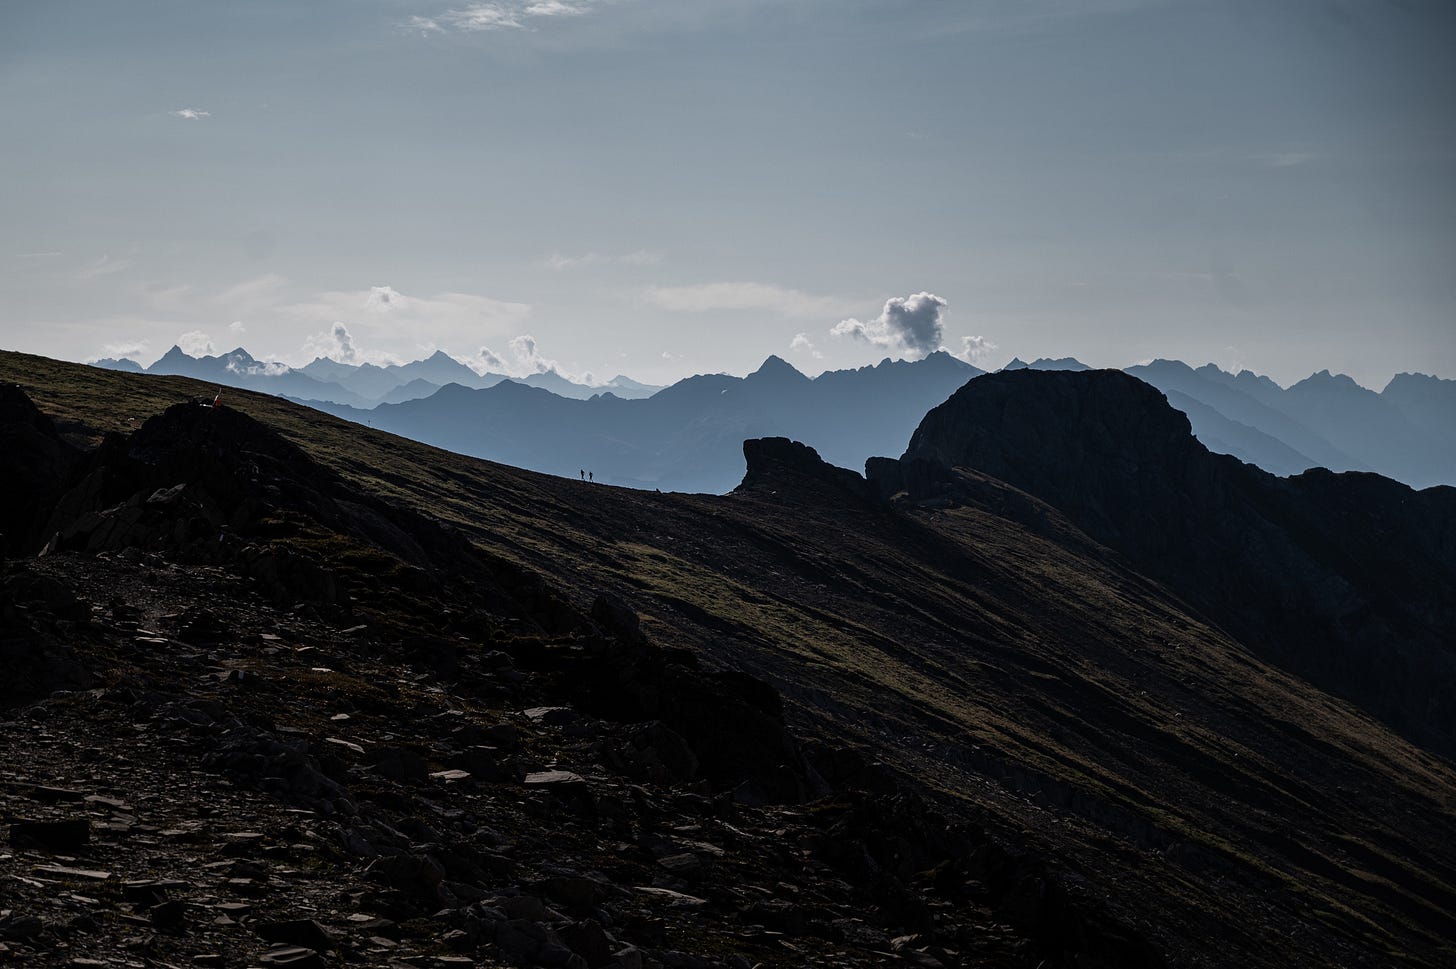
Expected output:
{"points": [[776, 462], [1348, 579]]}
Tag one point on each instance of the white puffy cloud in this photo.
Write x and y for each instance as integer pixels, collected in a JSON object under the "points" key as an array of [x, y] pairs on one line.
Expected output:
{"points": [[803, 344], [337, 343], [195, 343], [528, 355], [745, 296], [121, 351], [488, 361], [974, 349], [236, 328], [913, 323], [257, 368], [191, 114]]}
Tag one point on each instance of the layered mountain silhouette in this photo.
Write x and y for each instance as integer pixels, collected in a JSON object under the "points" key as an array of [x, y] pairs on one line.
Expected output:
{"points": [[688, 440], [358, 385], [1058, 686], [687, 437]]}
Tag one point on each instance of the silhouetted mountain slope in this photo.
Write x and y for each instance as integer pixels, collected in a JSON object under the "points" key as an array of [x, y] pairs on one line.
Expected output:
{"points": [[1353, 428], [414, 390], [1370, 427], [1228, 398], [125, 365], [1348, 580], [1427, 402], [1046, 363], [1181, 791], [1224, 436], [686, 437]]}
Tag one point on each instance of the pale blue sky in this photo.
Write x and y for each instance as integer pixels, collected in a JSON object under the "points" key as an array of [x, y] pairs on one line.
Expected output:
{"points": [[663, 188]]}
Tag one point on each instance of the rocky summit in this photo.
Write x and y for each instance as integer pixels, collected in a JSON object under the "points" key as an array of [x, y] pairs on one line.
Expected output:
{"points": [[1056, 688]]}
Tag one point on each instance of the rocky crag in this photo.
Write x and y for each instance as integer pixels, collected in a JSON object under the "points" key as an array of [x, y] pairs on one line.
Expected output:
{"points": [[1348, 580]]}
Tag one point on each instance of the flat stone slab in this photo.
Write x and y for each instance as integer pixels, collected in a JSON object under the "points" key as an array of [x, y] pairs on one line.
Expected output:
{"points": [[672, 897], [60, 871], [554, 778]]}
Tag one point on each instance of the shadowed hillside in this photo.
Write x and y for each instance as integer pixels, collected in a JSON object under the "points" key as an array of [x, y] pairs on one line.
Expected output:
{"points": [[1013, 648]]}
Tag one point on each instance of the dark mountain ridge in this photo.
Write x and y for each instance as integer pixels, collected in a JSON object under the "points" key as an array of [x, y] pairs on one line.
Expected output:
{"points": [[1167, 791], [1349, 579]]}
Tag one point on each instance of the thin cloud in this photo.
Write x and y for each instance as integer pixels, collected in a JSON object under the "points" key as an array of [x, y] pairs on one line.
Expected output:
{"points": [[497, 15], [745, 296], [642, 257], [163, 297], [380, 313], [560, 262], [1286, 159], [191, 114], [250, 294], [103, 266]]}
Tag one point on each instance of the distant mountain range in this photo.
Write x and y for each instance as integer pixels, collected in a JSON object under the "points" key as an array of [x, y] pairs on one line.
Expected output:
{"points": [[687, 437], [360, 385]]}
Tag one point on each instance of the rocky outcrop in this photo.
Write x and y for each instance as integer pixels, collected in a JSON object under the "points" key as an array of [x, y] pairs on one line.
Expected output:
{"points": [[1347, 579], [777, 462]]}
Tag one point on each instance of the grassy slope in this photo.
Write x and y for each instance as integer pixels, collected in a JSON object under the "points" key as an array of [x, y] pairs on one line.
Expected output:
{"points": [[1028, 679]]}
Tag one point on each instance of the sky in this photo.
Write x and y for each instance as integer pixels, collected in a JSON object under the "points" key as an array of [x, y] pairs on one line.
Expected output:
{"points": [[668, 187]]}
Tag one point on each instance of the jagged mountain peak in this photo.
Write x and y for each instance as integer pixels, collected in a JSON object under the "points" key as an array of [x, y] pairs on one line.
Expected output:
{"points": [[777, 368]]}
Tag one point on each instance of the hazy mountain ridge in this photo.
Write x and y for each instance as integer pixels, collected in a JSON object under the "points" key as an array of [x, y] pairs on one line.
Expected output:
{"points": [[357, 385], [689, 439], [686, 437]]}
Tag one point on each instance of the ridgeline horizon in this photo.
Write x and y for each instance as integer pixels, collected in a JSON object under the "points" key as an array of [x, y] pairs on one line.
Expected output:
{"points": [[684, 437]]}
